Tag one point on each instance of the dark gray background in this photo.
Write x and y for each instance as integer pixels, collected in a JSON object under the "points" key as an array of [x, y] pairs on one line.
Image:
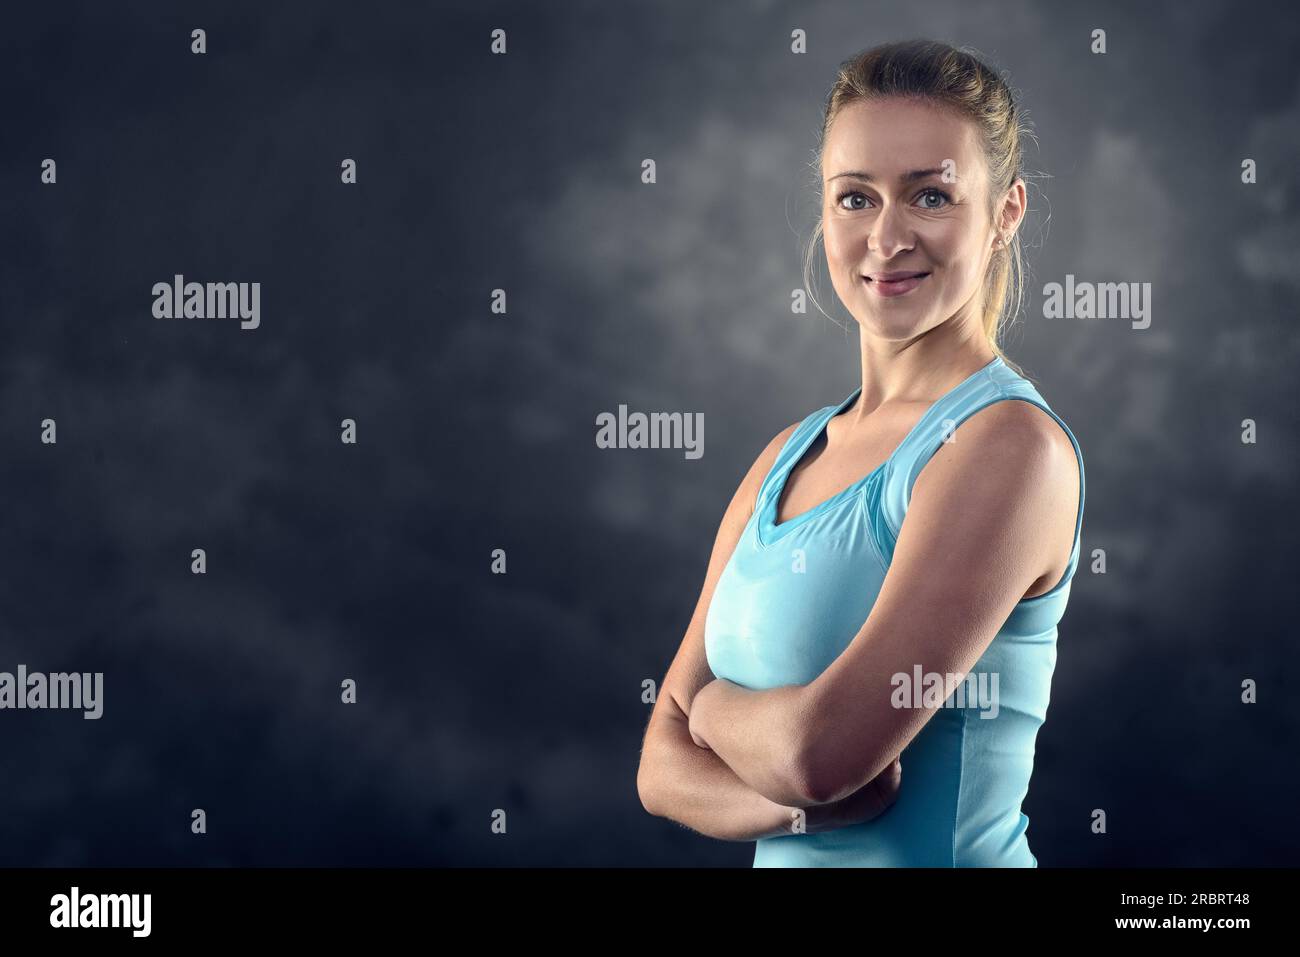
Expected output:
{"points": [[522, 691]]}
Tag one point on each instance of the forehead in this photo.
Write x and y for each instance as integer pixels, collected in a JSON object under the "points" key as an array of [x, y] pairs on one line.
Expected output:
{"points": [[887, 137]]}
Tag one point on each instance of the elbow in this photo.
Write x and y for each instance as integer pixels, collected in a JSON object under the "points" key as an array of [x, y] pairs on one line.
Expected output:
{"points": [[810, 786], [817, 777], [828, 758], [645, 779]]}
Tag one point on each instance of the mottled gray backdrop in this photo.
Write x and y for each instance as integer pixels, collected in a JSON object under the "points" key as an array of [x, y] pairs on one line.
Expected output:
{"points": [[476, 430]]}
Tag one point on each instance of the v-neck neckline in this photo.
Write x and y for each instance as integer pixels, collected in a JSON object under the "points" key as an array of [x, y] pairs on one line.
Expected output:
{"points": [[768, 530]]}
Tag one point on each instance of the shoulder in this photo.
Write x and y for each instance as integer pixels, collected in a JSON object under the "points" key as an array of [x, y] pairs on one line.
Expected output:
{"points": [[999, 495], [746, 497], [1011, 444], [762, 465], [1017, 425]]}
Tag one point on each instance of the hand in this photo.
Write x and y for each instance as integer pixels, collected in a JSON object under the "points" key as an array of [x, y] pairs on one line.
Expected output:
{"points": [[869, 801]]}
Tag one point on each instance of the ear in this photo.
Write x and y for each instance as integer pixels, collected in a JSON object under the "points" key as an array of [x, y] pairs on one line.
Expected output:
{"points": [[1010, 213]]}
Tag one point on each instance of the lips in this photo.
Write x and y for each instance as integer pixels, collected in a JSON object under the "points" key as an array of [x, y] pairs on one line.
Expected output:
{"points": [[890, 284], [896, 275]]}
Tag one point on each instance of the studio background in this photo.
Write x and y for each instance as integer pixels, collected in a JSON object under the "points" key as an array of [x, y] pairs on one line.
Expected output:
{"points": [[522, 172]]}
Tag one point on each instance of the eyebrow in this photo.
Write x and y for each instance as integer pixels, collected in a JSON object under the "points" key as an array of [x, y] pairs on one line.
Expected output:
{"points": [[908, 177]]}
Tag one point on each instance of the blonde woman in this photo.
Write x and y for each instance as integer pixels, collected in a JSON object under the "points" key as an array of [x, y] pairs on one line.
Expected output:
{"points": [[870, 659]]}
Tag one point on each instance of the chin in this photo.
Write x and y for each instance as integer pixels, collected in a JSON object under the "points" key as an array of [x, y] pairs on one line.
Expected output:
{"points": [[893, 325], [892, 333]]}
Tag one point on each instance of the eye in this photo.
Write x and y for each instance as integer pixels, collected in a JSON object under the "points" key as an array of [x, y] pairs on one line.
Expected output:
{"points": [[847, 194], [934, 193]]}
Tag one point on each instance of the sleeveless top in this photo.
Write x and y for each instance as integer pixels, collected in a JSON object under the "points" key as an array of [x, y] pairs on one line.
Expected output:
{"points": [[964, 775]]}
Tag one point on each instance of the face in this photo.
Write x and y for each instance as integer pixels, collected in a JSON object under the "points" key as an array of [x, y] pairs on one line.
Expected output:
{"points": [[908, 246]]}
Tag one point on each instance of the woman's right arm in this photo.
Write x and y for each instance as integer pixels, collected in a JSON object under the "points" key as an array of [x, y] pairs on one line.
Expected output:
{"points": [[677, 779]]}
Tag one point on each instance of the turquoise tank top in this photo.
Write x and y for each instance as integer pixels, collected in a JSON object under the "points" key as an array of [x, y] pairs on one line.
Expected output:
{"points": [[964, 776]]}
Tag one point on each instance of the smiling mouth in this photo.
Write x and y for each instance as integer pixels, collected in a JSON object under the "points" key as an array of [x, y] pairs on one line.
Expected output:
{"points": [[905, 283], [902, 277]]}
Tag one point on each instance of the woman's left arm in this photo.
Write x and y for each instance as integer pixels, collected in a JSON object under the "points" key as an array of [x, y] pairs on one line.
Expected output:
{"points": [[987, 518]]}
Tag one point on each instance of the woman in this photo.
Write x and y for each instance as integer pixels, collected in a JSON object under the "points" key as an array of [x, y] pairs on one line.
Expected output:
{"points": [[879, 682]]}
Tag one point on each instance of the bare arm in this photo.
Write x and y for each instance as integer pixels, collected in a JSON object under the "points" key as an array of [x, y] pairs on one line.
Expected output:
{"points": [[990, 513], [758, 733], [682, 779], [677, 779], [987, 516], [694, 787]]}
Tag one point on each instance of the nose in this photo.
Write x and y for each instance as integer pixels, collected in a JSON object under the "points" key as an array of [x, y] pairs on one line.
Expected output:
{"points": [[890, 232]]}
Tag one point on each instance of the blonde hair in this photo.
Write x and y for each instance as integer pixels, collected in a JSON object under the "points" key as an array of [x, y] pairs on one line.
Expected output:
{"points": [[959, 80]]}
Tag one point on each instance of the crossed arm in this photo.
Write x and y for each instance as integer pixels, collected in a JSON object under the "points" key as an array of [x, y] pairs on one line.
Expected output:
{"points": [[984, 521]]}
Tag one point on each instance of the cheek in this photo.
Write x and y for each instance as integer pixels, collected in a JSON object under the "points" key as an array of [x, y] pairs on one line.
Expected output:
{"points": [[958, 253], [969, 272], [840, 241]]}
